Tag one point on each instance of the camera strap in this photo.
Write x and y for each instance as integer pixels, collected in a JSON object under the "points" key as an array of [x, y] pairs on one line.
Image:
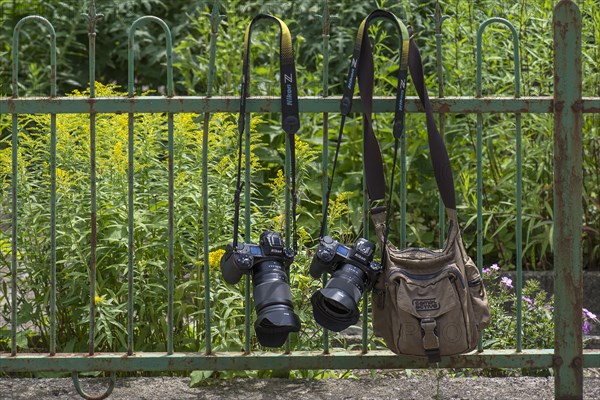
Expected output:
{"points": [[361, 65], [290, 121]]}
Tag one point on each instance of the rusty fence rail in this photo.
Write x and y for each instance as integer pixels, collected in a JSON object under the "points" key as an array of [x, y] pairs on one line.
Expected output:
{"points": [[567, 358]]}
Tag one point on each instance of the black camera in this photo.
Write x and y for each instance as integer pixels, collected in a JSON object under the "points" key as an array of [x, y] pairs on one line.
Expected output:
{"points": [[268, 262], [353, 271]]}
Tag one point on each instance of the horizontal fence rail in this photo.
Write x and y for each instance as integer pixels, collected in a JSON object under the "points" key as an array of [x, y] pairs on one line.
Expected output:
{"points": [[268, 104], [567, 105]]}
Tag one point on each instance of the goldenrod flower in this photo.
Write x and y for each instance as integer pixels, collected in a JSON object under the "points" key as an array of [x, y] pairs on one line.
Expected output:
{"points": [[214, 258]]}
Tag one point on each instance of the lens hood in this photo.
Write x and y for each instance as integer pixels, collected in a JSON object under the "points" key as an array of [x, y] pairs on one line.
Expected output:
{"points": [[333, 309], [273, 325]]}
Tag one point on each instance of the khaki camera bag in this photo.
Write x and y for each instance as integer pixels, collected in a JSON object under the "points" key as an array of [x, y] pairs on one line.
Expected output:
{"points": [[426, 302]]}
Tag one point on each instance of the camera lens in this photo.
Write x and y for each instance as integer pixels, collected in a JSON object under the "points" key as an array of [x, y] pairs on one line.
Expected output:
{"points": [[335, 307], [275, 318]]}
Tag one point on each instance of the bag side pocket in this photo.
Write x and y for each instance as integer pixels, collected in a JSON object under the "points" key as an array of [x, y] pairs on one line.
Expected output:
{"points": [[383, 314], [479, 301]]}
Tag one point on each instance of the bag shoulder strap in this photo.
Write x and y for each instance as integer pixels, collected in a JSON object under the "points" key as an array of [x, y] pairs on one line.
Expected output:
{"points": [[437, 148]]}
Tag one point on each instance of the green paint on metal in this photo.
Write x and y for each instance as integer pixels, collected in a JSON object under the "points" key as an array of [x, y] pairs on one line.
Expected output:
{"points": [[378, 359], [269, 104], [518, 177], [215, 20], [326, 18], [14, 260], [92, 18], [438, 21], [568, 189], [82, 393], [248, 231], [170, 172], [130, 232]]}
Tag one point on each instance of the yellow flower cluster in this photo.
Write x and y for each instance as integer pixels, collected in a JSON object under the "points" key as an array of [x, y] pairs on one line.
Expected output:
{"points": [[214, 258]]}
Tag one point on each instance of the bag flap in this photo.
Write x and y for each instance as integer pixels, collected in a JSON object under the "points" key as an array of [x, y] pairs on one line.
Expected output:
{"points": [[427, 299]]}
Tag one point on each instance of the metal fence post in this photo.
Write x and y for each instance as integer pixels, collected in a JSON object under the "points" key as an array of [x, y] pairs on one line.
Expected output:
{"points": [[568, 188]]}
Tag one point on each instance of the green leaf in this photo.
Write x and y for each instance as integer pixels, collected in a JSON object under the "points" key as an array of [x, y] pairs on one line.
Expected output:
{"points": [[198, 378]]}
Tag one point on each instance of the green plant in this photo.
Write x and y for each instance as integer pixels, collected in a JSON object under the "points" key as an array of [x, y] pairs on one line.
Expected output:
{"points": [[537, 314]]}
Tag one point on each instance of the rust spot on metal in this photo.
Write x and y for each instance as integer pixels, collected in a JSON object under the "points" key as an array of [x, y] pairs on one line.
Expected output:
{"points": [[557, 361], [11, 106], [444, 108], [577, 106], [559, 105]]}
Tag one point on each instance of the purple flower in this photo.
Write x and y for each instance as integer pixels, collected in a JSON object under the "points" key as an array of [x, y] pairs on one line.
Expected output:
{"points": [[495, 267], [486, 271], [528, 301], [506, 281], [587, 327], [588, 314]]}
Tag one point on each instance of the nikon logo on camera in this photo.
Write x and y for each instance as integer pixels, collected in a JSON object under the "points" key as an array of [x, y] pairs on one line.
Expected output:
{"points": [[426, 304]]}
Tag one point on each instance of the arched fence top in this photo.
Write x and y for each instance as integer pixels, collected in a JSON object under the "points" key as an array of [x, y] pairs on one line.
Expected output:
{"points": [[438, 19], [515, 38], [169, 50], [15, 52]]}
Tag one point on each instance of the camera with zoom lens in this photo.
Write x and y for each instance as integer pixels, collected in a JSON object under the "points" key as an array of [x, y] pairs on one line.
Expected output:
{"points": [[335, 307], [268, 262]]}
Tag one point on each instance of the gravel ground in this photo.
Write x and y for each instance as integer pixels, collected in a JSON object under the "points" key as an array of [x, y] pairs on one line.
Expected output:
{"points": [[418, 385]]}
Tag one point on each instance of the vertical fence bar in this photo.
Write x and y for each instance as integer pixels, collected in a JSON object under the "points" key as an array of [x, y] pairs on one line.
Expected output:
{"points": [[518, 177], [15, 126], [92, 18], [130, 199], [365, 224], [325, 155], [568, 189], [439, 20], [215, 20], [170, 172], [14, 220], [247, 299], [288, 213]]}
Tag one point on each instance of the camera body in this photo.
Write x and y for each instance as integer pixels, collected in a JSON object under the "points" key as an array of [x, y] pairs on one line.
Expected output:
{"points": [[331, 254], [353, 271], [241, 260], [268, 262]]}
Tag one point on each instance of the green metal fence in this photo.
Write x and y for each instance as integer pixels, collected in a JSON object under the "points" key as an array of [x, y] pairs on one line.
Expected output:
{"points": [[567, 358]]}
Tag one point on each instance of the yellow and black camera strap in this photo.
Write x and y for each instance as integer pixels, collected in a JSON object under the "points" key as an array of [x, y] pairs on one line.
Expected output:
{"points": [[290, 121], [360, 65]]}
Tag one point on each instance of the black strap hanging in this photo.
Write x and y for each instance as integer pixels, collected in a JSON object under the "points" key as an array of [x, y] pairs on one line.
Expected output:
{"points": [[437, 148], [290, 121], [359, 65]]}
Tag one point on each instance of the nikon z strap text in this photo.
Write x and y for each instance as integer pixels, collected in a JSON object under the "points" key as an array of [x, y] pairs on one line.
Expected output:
{"points": [[290, 121]]}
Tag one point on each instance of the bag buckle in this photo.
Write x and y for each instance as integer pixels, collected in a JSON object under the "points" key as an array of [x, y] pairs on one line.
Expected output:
{"points": [[431, 341]]}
